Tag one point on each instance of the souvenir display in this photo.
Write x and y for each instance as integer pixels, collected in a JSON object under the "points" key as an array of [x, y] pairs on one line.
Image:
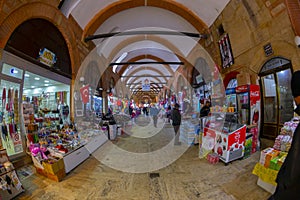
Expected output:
{"points": [[272, 158]]}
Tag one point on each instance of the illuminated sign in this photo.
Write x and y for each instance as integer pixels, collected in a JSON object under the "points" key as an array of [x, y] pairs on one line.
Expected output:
{"points": [[47, 57]]}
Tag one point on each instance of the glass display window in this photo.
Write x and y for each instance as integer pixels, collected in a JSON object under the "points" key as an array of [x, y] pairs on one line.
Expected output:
{"points": [[49, 99], [9, 117]]}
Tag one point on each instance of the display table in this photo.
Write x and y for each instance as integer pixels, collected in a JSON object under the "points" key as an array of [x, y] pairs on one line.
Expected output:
{"points": [[87, 141], [74, 158], [95, 143]]}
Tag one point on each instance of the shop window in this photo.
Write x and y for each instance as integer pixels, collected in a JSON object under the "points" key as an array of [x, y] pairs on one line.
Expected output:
{"points": [[12, 71]]}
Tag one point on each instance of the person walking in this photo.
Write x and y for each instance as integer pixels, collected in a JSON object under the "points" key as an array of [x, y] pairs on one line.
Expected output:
{"points": [[288, 177], [168, 113], [154, 113], [176, 121], [205, 109]]}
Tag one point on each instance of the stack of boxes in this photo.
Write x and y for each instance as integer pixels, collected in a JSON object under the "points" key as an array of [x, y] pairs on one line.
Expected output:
{"points": [[267, 155], [213, 158]]}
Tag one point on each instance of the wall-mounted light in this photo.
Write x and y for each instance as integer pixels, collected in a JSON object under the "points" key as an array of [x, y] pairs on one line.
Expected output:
{"points": [[81, 79], [297, 41]]}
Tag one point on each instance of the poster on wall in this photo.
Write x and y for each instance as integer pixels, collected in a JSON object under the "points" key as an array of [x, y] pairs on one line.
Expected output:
{"points": [[226, 52]]}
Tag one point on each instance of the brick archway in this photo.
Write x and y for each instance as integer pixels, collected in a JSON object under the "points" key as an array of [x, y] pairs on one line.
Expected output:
{"points": [[119, 6], [43, 11]]}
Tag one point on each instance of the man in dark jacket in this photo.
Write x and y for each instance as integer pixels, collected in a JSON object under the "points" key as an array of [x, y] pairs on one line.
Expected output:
{"points": [[288, 178], [176, 121], [205, 109]]}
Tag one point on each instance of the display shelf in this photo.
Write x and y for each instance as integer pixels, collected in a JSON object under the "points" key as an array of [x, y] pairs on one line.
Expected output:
{"points": [[10, 185]]}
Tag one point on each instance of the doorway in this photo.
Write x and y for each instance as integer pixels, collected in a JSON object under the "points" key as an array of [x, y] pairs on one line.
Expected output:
{"points": [[277, 99]]}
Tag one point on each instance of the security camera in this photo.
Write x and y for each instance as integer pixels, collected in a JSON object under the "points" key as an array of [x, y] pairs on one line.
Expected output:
{"points": [[297, 41]]}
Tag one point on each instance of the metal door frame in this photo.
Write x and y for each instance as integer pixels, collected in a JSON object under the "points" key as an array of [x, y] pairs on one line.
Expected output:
{"points": [[273, 71]]}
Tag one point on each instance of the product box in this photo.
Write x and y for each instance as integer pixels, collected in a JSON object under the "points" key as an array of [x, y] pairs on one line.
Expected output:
{"points": [[263, 155], [52, 166], [58, 176], [282, 158], [270, 155], [213, 158], [274, 164], [243, 79]]}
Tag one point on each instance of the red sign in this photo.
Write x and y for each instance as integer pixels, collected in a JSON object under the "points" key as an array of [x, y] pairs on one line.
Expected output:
{"points": [[236, 139], [85, 94]]}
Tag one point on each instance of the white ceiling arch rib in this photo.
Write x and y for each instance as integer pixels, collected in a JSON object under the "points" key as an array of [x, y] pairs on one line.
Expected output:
{"points": [[164, 48], [84, 10], [151, 54]]}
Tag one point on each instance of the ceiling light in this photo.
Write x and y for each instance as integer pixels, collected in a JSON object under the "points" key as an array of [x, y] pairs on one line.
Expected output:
{"points": [[46, 81], [32, 86], [26, 75], [46, 84], [37, 78]]}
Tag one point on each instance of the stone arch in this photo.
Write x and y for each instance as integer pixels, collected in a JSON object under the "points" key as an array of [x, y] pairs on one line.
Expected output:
{"points": [[43, 11], [119, 6]]}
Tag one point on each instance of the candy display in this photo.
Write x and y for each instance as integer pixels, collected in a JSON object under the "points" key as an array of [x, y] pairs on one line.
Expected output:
{"points": [[272, 158]]}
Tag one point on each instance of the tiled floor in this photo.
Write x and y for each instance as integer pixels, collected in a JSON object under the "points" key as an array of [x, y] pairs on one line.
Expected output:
{"points": [[187, 178]]}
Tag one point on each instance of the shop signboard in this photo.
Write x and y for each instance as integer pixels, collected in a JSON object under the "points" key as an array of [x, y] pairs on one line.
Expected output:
{"points": [[47, 57], [146, 85]]}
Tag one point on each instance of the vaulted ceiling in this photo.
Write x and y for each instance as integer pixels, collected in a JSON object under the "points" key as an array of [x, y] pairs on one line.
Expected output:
{"points": [[144, 16]]}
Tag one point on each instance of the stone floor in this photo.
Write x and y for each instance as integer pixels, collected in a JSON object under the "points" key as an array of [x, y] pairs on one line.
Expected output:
{"points": [[188, 177]]}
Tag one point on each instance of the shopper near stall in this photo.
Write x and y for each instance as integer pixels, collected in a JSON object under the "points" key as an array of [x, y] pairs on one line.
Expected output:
{"points": [[288, 178], [205, 109], [176, 121], [168, 113], [154, 113]]}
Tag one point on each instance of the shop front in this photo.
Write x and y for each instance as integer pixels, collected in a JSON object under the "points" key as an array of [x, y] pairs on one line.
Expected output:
{"points": [[31, 97]]}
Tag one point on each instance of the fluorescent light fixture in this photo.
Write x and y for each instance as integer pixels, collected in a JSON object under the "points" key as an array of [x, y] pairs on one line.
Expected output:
{"points": [[37, 78], [46, 84], [32, 86], [46, 81], [27, 75]]}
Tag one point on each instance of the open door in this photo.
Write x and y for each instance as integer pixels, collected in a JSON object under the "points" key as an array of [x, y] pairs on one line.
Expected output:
{"points": [[277, 99]]}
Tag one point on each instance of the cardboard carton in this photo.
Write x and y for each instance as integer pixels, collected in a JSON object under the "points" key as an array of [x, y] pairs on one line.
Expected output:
{"points": [[52, 166]]}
